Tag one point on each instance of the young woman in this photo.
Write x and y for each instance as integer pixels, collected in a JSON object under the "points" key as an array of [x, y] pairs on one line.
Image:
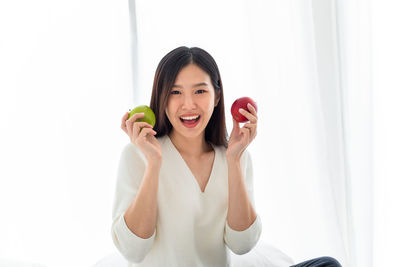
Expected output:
{"points": [[184, 193]]}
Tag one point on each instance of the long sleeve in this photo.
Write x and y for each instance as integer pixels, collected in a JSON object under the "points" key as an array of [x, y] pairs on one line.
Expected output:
{"points": [[132, 165], [241, 242]]}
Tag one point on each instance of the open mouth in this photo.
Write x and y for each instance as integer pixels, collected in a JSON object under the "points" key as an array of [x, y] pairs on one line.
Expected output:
{"points": [[190, 122]]}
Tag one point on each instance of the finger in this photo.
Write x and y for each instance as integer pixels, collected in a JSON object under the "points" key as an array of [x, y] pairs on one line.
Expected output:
{"points": [[129, 122], [138, 126], [235, 124], [252, 118], [252, 109], [246, 133], [135, 117], [129, 129], [125, 117], [123, 122], [252, 128], [145, 132], [245, 130], [142, 124]]}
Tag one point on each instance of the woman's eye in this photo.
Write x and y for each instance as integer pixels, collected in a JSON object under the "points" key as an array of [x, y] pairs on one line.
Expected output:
{"points": [[200, 91], [175, 92]]}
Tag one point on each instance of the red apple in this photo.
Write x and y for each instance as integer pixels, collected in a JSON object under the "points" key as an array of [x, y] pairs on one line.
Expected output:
{"points": [[241, 103]]}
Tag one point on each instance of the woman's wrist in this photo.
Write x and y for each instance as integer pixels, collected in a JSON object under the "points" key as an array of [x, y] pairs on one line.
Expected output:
{"points": [[232, 159], [154, 163]]}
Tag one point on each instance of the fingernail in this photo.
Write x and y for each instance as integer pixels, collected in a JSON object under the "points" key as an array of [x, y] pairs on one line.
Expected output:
{"points": [[241, 110]]}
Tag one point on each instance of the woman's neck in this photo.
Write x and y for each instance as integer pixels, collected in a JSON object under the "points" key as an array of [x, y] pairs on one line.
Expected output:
{"points": [[192, 147]]}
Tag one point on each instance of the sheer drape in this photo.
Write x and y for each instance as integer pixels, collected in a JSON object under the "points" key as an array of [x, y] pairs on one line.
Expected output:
{"points": [[324, 156], [385, 43], [272, 51], [353, 26], [65, 82], [324, 74]]}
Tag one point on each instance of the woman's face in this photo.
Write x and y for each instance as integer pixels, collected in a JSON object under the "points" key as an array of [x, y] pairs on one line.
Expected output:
{"points": [[191, 101]]}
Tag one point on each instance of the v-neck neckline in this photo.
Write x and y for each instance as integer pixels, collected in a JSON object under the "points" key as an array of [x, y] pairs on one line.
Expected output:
{"points": [[190, 171]]}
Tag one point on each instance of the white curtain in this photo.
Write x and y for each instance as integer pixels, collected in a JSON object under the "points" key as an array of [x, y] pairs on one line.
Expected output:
{"points": [[353, 24], [272, 52], [65, 82], [343, 39], [324, 74], [309, 66], [385, 43]]}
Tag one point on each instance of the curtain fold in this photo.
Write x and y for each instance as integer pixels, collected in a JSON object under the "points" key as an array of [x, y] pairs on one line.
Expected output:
{"points": [[134, 52], [309, 65], [385, 43], [353, 21], [333, 106], [268, 50]]}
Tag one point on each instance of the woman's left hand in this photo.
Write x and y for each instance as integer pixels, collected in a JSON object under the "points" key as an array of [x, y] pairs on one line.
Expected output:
{"points": [[240, 138]]}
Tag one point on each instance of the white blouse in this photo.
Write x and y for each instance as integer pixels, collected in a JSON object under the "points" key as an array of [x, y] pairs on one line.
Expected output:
{"points": [[192, 227]]}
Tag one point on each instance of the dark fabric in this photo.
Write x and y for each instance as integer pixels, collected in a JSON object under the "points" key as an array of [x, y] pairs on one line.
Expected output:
{"points": [[319, 262]]}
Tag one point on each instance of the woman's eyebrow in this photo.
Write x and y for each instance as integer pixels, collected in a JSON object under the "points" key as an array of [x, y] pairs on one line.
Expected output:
{"points": [[196, 85]]}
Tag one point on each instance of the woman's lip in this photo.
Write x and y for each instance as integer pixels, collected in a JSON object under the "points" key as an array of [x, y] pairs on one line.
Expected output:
{"points": [[189, 115], [198, 117], [191, 124]]}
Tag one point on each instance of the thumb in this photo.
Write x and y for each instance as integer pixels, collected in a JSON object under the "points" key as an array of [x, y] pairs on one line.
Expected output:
{"points": [[235, 124]]}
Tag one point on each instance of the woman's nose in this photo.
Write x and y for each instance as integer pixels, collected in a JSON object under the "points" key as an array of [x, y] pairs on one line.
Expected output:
{"points": [[188, 102]]}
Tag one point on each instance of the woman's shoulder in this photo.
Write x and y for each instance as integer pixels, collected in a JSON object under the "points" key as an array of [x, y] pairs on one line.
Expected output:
{"points": [[132, 153]]}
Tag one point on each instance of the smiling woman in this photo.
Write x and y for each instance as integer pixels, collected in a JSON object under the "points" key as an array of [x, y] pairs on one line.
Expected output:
{"points": [[184, 194], [181, 180]]}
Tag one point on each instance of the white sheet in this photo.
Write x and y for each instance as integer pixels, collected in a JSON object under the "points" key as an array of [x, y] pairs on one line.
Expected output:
{"points": [[262, 255], [13, 263]]}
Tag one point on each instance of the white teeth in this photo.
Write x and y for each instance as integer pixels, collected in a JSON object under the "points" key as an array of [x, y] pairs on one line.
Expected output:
{"points": [[190, 118]]}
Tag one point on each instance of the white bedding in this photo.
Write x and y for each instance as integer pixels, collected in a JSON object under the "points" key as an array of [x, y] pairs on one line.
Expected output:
{"points": [[262, 255], [13, 263]]}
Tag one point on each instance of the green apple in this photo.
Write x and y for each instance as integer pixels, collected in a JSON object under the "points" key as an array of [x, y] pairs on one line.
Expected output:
{"points": [[149, 116]]}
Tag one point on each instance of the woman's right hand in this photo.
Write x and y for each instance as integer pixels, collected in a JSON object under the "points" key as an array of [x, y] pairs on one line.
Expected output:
{"points": [[142, 135]]}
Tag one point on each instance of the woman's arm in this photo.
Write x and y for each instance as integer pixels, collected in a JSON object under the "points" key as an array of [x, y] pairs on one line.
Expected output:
{"points": [[243, 225], [134, 204], [241, 213], [141, 215]]}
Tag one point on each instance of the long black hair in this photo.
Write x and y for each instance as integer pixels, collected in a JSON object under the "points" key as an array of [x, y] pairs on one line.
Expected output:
{"points": [[164, 79]]}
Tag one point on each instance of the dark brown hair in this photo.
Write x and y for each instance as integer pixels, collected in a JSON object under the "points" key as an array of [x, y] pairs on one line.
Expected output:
{"points": [[164, 79]]}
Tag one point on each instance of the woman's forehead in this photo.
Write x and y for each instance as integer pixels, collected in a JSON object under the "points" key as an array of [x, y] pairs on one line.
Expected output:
{"points": [[191, 72]]}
